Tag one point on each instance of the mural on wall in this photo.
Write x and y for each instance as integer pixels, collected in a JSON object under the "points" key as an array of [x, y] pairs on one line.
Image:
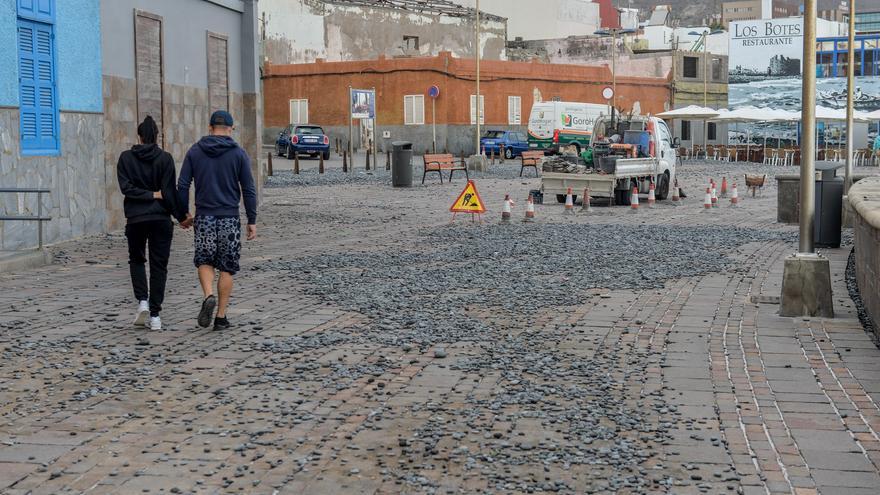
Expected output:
{"points": [[766, 49]]}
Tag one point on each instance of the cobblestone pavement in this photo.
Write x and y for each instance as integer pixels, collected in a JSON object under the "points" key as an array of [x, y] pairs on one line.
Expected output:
{"points": [[333, 380]]}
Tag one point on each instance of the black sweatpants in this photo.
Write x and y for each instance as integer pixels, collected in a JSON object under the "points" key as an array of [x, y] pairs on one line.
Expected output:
{"points": [[156, 236]]}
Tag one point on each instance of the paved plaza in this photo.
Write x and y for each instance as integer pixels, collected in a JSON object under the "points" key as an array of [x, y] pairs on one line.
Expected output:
{"points": [[376, 348]]}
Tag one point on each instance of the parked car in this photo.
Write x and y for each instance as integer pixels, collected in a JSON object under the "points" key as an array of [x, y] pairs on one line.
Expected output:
{"points": [[515, 142], [304, 139]]}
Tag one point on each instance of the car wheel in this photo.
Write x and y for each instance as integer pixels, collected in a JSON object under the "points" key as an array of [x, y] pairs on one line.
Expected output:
{"points": [[289, 153], [327, 155], [662, 191], [508, 153]]}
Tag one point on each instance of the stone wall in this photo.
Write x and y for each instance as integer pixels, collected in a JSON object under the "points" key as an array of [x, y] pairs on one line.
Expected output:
{"points": [[184, 122], [76, 178], [864, 198]]}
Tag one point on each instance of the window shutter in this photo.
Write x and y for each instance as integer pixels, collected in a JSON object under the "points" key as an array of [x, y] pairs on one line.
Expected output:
{"points": [[407, 110], [304, 111], [514, 110], [419, 109], [38, 107], [474, 109]]}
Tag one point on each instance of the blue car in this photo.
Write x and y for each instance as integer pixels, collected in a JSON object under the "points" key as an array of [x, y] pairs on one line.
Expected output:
{"points": [[303, 139], [515, 142]]}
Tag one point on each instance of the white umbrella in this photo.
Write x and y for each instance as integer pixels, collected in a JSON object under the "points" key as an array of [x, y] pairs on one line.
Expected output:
{"points": [[740, 115], [692, 112]]}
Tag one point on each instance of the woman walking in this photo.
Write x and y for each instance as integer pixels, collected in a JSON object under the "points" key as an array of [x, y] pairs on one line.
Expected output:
{"points": [[147, 180]]}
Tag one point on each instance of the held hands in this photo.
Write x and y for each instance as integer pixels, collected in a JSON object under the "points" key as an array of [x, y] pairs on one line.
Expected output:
{"points": [[188, 222], [251, 232], [157, 195]]}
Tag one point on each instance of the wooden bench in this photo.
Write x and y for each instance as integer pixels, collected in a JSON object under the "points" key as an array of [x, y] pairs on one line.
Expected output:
{"points": [[530, 159], [439, 162]]}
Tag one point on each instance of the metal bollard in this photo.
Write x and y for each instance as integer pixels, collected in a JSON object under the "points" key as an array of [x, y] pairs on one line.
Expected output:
{"points": [[296, 162], [493, 157], [369, 152], [502, 153], [387, 159], [337, 147], [270, 164], [320, 164], [345, 160]]}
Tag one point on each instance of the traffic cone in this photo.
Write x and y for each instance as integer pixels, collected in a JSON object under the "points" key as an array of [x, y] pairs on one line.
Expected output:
{"points": [[707, 203], [587, 207], [714, 197], [724, 187], [734, 196], [569, 203], [676, 193], [634, 199], [530, 210], [652, 198], [505, 209]]}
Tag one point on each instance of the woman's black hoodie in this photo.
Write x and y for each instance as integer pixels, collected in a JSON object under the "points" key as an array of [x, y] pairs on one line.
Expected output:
{"points": [[142, 170]]}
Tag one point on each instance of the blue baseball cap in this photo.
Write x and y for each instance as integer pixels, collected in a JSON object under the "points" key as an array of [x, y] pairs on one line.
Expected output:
{"points": [[221, 117]]}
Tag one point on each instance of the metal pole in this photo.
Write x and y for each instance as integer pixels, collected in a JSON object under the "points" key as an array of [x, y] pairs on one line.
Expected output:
{"points": [[40, 218], [477, 55], [613, 74], [434, 123], [350, 130], [808, 120], [850, 108], [706, 91], [375, 140]]}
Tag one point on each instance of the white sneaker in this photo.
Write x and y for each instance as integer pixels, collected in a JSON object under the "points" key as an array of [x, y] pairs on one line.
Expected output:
{"points": [[142, 313], [155, 323]]}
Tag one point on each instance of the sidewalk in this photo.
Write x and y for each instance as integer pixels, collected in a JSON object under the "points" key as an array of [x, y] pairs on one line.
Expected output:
{"points": [[348, 371]]}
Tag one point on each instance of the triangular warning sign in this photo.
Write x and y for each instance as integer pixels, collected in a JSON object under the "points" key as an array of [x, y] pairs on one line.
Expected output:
{"points": [[468, 201]]}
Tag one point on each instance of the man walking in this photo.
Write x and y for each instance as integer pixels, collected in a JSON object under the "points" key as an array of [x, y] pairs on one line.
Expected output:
{"points": [[221, 171]]}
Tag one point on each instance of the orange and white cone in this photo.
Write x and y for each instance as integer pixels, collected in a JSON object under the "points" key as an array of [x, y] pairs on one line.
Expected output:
{"points": [[734, 196], [634, 199], [707, 203], [569, 203], [652, 198], [530, 210], [676, 193], [505, 209], [724, 187], [714, 197], [587, 207]]}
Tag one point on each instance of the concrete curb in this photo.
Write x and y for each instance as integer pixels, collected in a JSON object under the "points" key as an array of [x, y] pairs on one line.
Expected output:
{"points": [[24, 260]]}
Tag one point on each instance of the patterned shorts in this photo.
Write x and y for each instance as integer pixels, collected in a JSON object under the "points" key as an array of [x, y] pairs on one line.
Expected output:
{"points": [[218, 242]]}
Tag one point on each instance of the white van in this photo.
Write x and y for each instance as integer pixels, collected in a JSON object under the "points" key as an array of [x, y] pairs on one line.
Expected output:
{"points": [[557, 123]]}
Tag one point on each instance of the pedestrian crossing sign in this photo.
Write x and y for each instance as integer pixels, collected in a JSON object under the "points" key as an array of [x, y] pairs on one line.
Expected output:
{"points": [[468, 201]]}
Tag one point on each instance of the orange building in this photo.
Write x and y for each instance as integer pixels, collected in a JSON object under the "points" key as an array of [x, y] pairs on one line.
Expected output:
{"points": [[317, 93]]}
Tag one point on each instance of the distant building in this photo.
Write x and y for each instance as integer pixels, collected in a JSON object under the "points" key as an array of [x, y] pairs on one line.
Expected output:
{"points": [[748, 10], [608, 14], [866, 21], [404, 108], [554, 18], [304, 31]]}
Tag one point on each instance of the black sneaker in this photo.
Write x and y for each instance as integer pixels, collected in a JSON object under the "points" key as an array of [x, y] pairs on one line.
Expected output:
{"points": [[207, 311], [221, 323]]}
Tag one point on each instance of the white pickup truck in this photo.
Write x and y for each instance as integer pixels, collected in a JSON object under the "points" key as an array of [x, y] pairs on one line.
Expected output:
{"points": [[625, 154]]}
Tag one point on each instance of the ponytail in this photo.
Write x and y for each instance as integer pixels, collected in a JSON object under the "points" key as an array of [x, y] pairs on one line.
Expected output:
{"points": [[148, 130]]}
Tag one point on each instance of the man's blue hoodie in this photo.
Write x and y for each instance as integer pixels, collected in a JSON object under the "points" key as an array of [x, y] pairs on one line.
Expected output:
{"points": [[222, 173]]}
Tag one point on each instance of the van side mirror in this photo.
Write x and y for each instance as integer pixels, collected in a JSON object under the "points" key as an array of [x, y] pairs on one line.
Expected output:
{"points": [[676, 142]]}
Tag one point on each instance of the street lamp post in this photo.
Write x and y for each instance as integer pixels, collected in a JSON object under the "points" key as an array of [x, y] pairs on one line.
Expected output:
{"points": [[850, 107], [477, 56], [806, 277], [612, 33]]}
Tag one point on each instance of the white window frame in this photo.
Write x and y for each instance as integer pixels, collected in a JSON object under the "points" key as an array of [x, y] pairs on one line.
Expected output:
{"points": [[299, 111], [514, 110], [414, 110]]}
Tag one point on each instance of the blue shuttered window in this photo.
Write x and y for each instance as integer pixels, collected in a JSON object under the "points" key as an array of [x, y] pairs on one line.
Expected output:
{"points": [[38, 96]]}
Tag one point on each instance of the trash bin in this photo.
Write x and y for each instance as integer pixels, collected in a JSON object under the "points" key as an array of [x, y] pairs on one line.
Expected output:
{"points": [[829, 203], [401, 164]]}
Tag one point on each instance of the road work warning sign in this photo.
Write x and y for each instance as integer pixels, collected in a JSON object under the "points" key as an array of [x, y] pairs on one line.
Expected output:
{"points": [[468, 201]]}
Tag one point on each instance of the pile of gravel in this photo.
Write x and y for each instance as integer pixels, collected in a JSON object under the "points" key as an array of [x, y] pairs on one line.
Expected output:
{"points": [[516, 269]]}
